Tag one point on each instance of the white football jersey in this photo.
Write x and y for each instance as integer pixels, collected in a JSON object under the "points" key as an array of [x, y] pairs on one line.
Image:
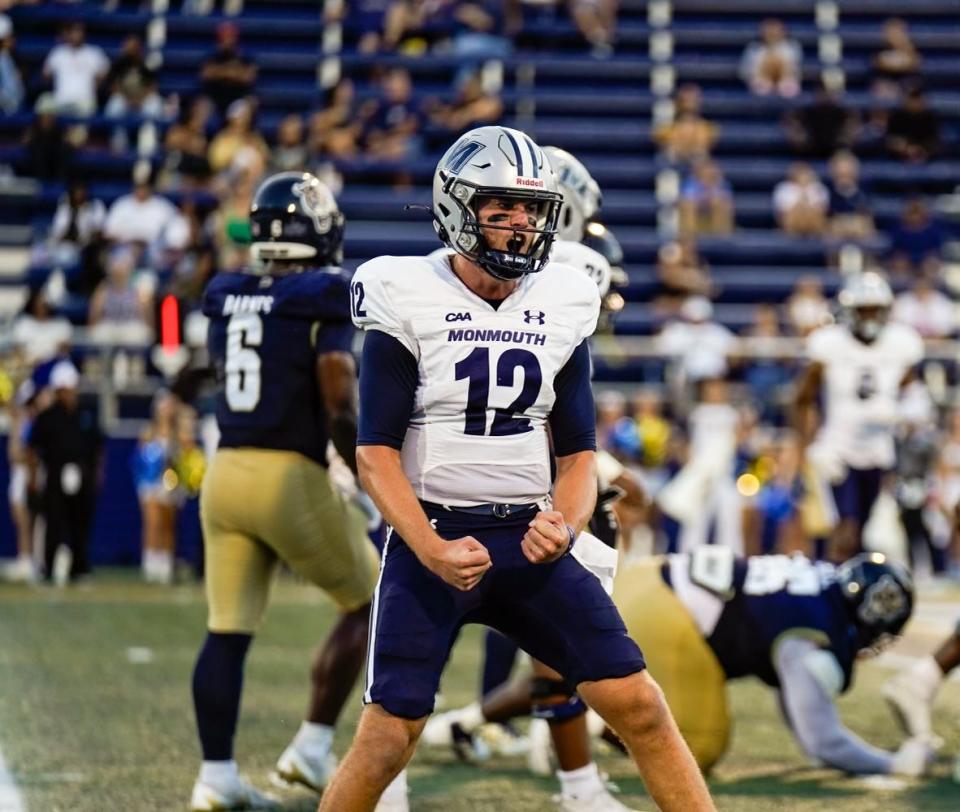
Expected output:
{"points": [[861, 388], [479, 429]]}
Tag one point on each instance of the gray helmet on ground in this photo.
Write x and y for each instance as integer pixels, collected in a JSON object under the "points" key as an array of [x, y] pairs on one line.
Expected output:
{"points": [[495, 162], [581, 194]]}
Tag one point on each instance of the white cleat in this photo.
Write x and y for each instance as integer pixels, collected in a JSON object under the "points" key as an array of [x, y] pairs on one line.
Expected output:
{"points": [[600, 801], [502, 740], [237, 794], [911, 699], [293, 767], [540, 754]]}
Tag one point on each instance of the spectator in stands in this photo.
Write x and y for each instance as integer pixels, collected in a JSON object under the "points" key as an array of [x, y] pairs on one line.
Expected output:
{"points": [[231, 219], [290, 152], [689, 137], [807, 307], [66, 440], [407, 27], [819, 129], [682, 274], [897, 63], [75, 239], [227, 75], [913, 129], [142, 217], [238, 143], [11, 77], [49, 153], [186, 147], [772, 64], [851, 214], [765, 373], [699, 345], [916, 243], [156, 493], [121, 310], [131, 84], [391, 130], [597, 22], [926, 309], [800, 202], [76, 69], [471, 107], [706, 201], [36, 332], [337, 128], [481, 32]]}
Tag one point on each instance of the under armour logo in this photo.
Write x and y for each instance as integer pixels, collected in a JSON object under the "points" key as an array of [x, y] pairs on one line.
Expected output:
{"points": [[531, 316]]}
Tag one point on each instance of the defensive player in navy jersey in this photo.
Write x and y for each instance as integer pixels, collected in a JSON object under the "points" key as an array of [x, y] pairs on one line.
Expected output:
{"points": [[467, 360], [280, 342], [795, 624]]}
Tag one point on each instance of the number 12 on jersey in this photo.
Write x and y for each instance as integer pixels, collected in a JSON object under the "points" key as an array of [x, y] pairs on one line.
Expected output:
{"points": [[476, 369]]}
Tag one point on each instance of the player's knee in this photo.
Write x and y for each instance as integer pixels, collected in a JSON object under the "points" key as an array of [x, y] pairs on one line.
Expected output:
{"points": [[638, 709], [391, 743]]}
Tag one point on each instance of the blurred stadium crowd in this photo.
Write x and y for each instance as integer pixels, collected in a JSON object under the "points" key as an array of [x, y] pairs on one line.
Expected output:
{"points": [[749, 163]]}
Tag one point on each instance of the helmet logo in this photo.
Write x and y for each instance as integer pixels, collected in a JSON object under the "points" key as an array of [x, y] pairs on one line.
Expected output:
{"points": [[535, 182], [884, 601], [276, 229], [463, 153], [309, 195]]}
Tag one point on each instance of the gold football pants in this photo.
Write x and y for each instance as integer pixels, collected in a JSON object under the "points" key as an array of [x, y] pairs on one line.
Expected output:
{"points": [[258, 506]]}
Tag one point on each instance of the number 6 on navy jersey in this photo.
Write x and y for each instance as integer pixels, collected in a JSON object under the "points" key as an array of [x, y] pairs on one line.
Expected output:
{"points": [[244, 331], [476, 368]]}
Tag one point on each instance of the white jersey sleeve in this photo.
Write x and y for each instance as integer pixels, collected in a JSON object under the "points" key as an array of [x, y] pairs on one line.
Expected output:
{"points": [[377, 296]]}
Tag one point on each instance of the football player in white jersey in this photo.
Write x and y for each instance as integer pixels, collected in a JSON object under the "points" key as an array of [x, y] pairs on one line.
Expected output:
{"points": [[467, 361], [860, 368], [554, 702]]}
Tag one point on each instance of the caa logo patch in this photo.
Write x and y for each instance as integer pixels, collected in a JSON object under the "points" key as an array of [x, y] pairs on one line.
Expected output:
{"points": [[458, 317], [534, 316]]}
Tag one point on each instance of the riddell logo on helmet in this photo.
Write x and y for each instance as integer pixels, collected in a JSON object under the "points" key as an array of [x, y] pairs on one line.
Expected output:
{"points": [[537, 182]]}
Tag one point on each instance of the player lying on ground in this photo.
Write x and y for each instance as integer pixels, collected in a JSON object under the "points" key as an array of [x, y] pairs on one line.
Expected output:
{"points": [[797, 625], [280, 340], [466, 362]]}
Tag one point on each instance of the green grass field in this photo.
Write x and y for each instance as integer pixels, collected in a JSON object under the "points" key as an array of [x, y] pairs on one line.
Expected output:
{"points": [[95, 712]]}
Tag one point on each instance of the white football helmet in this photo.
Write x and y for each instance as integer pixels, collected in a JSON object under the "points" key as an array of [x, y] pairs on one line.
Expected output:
{"points": [[502, 163], [581, 194], [866, 299]]}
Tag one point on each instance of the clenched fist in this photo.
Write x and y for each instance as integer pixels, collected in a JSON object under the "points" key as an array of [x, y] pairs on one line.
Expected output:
{"points": [[546, 538], [460, 562]]}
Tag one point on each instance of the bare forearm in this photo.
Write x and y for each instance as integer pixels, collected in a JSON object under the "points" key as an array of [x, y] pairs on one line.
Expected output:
{"points": [[382, 477], [575, 488]]}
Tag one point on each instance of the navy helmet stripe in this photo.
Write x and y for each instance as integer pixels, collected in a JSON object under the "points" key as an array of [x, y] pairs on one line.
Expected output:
{"points": [[516, 150], [533, 157]]}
